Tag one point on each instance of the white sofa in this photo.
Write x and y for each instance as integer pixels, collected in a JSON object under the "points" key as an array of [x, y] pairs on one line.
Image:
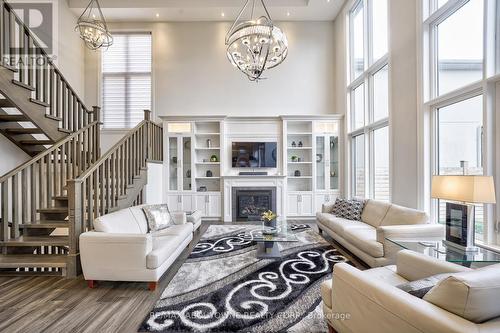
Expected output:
{"points": [[380, 220], [121, 249], [368, 301]]}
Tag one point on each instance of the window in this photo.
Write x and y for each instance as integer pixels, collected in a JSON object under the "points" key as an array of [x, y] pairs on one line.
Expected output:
{"points": [[381, 164], [359, 166], [126, 80], [460, 60], [369, 100], [460, 139], [459, 106], [357, 40]]}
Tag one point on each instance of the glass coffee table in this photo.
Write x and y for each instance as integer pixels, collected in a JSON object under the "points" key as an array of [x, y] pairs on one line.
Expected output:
{"points": [[434, 247], [268, 244]]}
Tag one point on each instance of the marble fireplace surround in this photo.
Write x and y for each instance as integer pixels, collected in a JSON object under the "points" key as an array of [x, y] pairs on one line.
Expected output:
{"points": [[254, 183]]}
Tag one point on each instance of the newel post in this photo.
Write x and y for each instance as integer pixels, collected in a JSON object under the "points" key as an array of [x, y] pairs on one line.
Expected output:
{"points": [[76, 226], [97, 117], [148, 134]]}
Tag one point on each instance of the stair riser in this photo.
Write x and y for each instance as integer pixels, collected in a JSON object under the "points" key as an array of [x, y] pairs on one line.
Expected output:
{"points": [[53, 216], [61, 203]]}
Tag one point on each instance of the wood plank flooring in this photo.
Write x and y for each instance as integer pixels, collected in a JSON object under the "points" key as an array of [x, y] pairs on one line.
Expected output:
{"points": [[55, 304]]}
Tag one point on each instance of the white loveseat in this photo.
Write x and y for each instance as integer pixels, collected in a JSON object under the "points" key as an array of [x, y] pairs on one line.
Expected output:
{"points": [[121, 249], [380, 220], [369, 301]]}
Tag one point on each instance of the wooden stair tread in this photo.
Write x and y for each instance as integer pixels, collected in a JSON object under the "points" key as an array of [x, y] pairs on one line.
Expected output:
{"points": [[32, 260], [45, 225], [23, 85], [60, 197], [39, 102], [12, 117], [36, 142], [5, 103], [37, 241], [23, 131], [53, 210]]}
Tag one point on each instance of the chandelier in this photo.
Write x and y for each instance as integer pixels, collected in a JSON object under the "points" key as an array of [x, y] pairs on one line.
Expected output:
{"points": [[93, 28], [256, 45]]}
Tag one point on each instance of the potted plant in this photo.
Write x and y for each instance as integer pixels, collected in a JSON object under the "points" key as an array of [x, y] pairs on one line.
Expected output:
{"points": [[295, 158], [269, 218]]}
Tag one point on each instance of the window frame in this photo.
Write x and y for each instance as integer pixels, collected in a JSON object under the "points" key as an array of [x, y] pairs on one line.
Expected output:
{"points": [[431, 102], [366, 78], [101, 78]]}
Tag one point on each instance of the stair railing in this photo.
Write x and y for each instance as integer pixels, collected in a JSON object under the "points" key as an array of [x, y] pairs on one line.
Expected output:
{"points": [[21, 51], [110, 183], [34, 184]]}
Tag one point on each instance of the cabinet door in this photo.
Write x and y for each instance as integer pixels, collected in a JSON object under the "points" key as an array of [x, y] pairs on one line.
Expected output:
{"points": [[321, 163], [333, 169], [187, 203], [214, 205], [306, 204], [173, 201], [293, 205], [173, 163], [201, 204]]}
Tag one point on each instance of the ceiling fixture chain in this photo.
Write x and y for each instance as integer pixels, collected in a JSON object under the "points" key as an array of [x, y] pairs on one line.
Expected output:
{"points": [[92, 27], [255, 45]]}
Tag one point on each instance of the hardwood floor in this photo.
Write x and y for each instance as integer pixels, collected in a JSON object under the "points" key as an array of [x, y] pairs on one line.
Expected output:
{"points": [[54, 304]]}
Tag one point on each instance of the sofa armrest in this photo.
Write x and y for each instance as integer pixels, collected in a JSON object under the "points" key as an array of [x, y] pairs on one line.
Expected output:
{"points": [[100, 250], [327, 207], [410, 231], [179, 217], [373, 306], [415, 266]]}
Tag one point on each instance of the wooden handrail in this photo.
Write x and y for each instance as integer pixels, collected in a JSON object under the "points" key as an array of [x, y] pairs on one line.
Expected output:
{"points": [[49, 151], [37, 183], [113, 181], [51, 88]]}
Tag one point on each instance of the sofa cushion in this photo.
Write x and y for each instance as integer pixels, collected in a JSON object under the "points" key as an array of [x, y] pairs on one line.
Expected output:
{"points": [[420, 288], [365, 239], [326, 292], [473, 295], [158, 217], [398, 215], [181, 232], [348, 209], [338, 224], [119, 222], [140, 217], [374, 212], [386, 274], [194, 217]]}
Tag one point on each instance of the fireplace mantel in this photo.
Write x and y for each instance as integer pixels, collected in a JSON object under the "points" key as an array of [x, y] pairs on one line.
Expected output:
{"points": [[259, 181]]}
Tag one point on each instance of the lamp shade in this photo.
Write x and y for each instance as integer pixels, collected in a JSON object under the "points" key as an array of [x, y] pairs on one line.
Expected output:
{"points": [[470, 189]]}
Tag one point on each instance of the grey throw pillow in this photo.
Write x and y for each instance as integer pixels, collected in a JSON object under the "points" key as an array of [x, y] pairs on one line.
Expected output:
{"points": [[419, 288], [348, 209], [158, 217]]}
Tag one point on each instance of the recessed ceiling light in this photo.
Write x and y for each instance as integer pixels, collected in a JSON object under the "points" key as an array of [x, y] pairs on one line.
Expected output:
{"points": [[287, 13], [157, 14], [222, 14]]}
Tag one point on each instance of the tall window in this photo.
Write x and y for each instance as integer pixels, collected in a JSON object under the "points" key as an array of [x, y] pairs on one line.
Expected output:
{"points": [[459, 97], [126, 80], [368, 93]]}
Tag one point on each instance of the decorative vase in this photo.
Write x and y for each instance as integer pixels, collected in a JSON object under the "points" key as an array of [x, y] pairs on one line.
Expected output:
{"points": [[297, 173], [301, 144], [188, 173], [214, 158], [209, 173], [209, 143], [270, 224], [294, 144]]}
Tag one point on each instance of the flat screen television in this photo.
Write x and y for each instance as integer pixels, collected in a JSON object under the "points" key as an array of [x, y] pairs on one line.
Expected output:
{"points": [[254, 154]]}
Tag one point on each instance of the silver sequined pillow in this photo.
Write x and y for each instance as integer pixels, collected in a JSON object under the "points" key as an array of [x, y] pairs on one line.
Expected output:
{"points": [[158, 217]]}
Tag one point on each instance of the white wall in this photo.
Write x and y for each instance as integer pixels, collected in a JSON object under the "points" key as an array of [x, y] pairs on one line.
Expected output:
{"points": [[192, 75], [10, 155], [402, 93]]}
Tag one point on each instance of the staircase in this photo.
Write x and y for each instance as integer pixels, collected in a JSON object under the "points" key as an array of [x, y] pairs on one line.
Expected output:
{"points": [[47, 202], [38, 107]]}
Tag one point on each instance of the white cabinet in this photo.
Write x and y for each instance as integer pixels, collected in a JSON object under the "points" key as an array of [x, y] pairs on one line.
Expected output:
{"points": [[322, 198], [209, 204], [300, 204], [180, 202]]}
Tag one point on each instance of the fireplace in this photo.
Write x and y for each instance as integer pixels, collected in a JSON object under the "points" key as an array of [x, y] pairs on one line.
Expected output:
{"points": [[248, 203]]}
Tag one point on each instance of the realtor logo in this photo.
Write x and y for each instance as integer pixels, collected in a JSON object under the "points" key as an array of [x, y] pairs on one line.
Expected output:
{"points": [[39, 18]]}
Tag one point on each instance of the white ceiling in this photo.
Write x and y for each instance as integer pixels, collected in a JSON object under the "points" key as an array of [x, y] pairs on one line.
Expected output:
{"points": [[209, 10]]}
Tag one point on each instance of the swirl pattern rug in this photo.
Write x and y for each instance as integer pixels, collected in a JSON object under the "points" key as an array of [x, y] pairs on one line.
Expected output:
{"points": [[223, 287]]}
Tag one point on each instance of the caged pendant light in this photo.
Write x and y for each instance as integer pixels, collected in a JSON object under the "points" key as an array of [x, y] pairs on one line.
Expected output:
{"points": [[92, 27]]}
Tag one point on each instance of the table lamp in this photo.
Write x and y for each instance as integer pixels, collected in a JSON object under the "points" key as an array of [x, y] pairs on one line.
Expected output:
{"points": [[464, 191]]}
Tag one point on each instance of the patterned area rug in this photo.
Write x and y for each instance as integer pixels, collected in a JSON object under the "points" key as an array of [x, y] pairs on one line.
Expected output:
{"points": [[223, 287]]}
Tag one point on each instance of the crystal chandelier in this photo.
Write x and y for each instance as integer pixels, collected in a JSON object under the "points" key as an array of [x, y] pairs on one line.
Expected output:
{"points": [[92, 27], [255, 45]]}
